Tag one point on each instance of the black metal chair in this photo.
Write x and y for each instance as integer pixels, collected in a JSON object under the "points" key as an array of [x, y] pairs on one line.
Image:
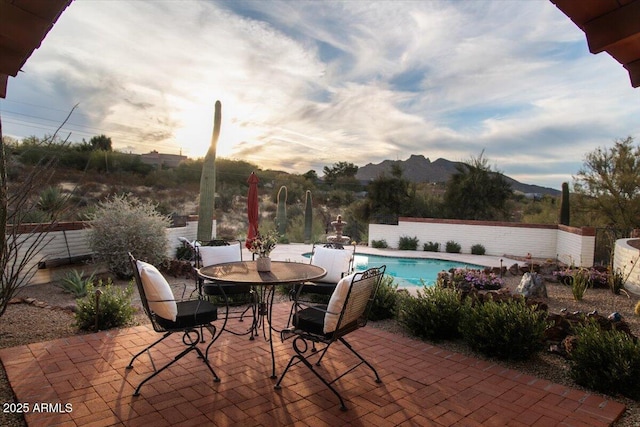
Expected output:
{"points": [[337, 260], [346, 312], [232, 296], [333, 257], [169, 316]]}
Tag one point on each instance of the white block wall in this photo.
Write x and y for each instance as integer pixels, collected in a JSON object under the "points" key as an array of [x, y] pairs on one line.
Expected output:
{"points": [[498, 238], [626, 259], [55, 246], [575, 248], [190, 232]]}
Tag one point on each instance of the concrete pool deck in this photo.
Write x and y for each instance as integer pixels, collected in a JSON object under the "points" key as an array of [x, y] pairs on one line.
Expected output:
{"points": [[295, 252]]}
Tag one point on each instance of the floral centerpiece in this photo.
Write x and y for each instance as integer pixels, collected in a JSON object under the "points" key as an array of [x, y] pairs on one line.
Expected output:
{"points": [[263, 244]]}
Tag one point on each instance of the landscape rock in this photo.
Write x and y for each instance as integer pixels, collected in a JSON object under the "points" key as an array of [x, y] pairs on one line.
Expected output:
{"points": [[559, 335], [514, 270], [532, 286]]}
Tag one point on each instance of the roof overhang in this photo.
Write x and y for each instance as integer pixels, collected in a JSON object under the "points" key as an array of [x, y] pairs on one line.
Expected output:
{"points": [[23, 26], [611, 26]]}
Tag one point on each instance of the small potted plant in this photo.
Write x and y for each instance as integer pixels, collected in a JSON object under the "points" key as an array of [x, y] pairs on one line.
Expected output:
{"points": [[262, 245]]}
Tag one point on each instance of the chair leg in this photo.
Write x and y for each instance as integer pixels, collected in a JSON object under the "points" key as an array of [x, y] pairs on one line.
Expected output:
{"points": [[191, 347], [214, 337], [130, 365], [346, 344], [310, 366]]}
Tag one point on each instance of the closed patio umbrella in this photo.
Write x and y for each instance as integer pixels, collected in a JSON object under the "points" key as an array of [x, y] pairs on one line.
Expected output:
{"points": [[252, 209]]}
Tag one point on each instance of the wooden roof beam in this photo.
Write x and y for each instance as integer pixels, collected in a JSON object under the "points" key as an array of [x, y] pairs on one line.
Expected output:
{"points": [[619, 25], [634, 72]]}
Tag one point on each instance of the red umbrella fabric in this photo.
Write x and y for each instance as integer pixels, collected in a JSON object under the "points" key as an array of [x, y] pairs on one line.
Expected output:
{"points": [[252, 208]]}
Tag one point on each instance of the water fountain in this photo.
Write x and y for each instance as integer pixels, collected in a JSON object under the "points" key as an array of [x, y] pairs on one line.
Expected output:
{"points": [[338, 238]]}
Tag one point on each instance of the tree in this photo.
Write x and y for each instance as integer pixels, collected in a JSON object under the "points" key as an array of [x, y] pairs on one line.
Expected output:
{"points": [[388, 196], [19, 247], [339, 170], [476, 192], [610, 183], [311, 175], [101, 142]]}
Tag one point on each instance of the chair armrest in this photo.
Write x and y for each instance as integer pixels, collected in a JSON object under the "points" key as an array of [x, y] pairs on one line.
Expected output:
{"points": [[303, 305], [296, 296]]}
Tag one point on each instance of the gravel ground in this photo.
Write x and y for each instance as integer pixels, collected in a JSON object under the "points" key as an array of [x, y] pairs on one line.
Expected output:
{"points": [[25, 323]]}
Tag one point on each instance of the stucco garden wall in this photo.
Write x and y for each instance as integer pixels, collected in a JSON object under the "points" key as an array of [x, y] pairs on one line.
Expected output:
{"points": [[568, 244], [69, 240], [625, 259]]}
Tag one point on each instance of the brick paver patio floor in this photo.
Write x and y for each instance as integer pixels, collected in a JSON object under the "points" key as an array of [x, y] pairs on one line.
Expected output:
{"points": [[423, 385]]}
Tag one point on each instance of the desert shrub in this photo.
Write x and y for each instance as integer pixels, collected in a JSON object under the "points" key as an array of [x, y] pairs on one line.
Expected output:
{"points": [[594, 277], [431, 247], [408, 243], [75, 283], [580, 283], [386, 302], [452, 247], [380, 244], [35, 216], [616, 281], [126, 224], [184, 252], [113, 310], [433, 314], [478, 249], [506, 330], [606, 361]]}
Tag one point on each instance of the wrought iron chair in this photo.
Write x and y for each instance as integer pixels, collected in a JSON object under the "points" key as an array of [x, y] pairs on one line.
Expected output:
{"points": [[169, 316], [346, 312], [241, 296], [333, 257]]}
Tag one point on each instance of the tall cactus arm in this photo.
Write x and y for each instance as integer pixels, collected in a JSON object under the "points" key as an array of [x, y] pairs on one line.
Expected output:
{"points": [[206, 207]]}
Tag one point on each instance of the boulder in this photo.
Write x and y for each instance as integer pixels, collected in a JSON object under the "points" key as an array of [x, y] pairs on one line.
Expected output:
{"points": [[532, 286], [514, 270]]}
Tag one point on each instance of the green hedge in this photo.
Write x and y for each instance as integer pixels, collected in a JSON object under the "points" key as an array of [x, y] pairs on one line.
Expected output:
{"points": [[506, 330], [606, 361]]}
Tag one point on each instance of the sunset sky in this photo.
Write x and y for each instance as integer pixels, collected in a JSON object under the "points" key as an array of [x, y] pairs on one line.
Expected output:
{"points": [[306, 84]]}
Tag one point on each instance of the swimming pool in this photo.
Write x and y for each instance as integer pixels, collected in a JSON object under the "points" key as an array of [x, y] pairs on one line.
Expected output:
{"points": [[408, 272]]}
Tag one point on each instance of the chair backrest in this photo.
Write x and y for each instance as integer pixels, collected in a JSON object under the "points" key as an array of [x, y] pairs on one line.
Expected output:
{"points": [[218, 252], [360, 289], [155, 293], [337, 261], [138, 280]]}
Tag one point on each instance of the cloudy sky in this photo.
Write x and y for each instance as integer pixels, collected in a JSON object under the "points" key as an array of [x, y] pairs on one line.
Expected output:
{"points": [[305, 84]]}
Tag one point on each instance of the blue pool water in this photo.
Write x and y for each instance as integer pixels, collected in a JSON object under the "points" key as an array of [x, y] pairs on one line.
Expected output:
{"points": [[408, 272]]}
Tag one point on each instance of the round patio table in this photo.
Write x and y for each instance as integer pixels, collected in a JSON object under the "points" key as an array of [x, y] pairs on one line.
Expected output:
{"points": [[246, 273]]}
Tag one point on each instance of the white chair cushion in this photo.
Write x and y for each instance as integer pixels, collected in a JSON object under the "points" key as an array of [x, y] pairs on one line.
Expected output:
{"points": [[335, 261], [211, 255], [336, 302], [159, 295]]}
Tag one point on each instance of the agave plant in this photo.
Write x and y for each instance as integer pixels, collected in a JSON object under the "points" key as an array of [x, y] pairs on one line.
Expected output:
{"points": [[76, 283]]}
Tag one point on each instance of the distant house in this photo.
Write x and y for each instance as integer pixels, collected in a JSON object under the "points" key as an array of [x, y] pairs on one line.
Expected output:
{"points": [[162, 160]]}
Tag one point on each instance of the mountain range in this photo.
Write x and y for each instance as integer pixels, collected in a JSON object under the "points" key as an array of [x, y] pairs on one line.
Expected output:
{"points": [[418, 168]]}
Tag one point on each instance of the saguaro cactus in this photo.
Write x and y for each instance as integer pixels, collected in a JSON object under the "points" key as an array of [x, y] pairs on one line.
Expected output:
{"points": [[308, 217], [281, 212], [208, 182], [564, 206]]}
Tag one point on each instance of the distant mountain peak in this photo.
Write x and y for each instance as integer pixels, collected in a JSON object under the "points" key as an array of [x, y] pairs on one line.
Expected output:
{"points": [[418, 168]]}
